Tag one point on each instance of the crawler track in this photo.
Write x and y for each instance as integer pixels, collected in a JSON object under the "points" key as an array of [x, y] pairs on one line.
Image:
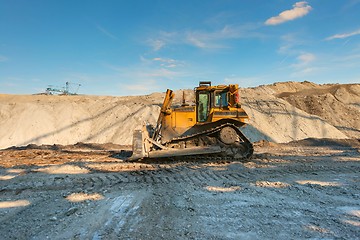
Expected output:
{"points": [[210, 136]]}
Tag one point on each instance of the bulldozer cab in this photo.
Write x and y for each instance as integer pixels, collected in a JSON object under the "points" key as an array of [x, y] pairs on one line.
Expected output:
{"points": [[209, 98]]}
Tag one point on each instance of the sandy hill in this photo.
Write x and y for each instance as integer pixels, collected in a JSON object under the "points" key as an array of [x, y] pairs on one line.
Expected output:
{"points": [[338, 104], [281, 112]]}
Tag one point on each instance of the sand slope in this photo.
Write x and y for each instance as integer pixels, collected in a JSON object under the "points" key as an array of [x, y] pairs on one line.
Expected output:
{"points": [[274, 119], [280, 112], [337, 104], [70, 119]]}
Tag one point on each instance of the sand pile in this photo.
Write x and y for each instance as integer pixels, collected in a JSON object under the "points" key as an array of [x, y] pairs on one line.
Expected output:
{"points": [[339, 105], [280, 112], [71, 119], [276, 120]]}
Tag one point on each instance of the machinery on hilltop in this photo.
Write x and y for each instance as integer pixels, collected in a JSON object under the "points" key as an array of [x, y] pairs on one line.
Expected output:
{"points": [[210, 128], [69, 89]]}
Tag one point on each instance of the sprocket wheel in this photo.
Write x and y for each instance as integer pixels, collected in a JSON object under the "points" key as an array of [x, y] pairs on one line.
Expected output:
{"points": [[228, 135]]}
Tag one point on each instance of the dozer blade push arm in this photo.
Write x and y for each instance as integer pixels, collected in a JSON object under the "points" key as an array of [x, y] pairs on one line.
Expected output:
{"points": [[142, 142], [166, 105]]}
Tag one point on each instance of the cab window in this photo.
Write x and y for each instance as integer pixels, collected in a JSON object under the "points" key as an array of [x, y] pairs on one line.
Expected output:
{"points": [[203, 106], [221, 99]]}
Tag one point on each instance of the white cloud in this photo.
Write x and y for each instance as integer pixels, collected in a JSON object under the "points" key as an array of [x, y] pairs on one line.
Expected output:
{"points": [[197, 41], [306, 71], [158, 73], [289, 48], [156, 44], [215, 39], [299, 9], [167, 62], [149, 68], [145, 71], [3, 58], [203, 39], [141, 87], [106, 32], [306, 58], [162, 39], [194, 38], [344, 35], [345, 61], [244, 81], [305, 65], [289, 41], [161, 62]]}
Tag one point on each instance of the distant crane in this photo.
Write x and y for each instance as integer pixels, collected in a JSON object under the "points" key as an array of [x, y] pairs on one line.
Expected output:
{"points": [[69, 89]]}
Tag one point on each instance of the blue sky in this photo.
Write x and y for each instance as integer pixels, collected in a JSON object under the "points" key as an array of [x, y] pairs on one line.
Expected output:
{"points": [[142, 46]]}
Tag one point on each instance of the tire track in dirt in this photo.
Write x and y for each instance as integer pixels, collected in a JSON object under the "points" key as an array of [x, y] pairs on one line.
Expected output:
{"points": [[190, 200], [168, 173]]}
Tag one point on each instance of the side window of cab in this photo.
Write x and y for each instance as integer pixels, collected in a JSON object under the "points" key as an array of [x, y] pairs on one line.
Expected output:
{"points": [[221, 99], [203, 106]]}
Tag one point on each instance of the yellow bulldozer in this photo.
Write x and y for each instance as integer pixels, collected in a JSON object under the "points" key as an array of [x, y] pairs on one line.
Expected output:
{"points": [[211, 128]]}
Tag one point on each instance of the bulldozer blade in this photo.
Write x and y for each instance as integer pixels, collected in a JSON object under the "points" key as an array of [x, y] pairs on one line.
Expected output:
{"points": [[184, 152], [141, 145], [138, 146]]}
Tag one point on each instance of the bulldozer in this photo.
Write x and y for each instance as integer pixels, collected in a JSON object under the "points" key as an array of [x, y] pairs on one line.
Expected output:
{"points": [[210, 128]]}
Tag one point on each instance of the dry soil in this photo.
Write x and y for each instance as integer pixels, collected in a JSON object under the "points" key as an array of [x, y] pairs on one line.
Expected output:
{"points": [[301, 190]]}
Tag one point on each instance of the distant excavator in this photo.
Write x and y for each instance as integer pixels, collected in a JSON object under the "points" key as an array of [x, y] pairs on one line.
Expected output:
{"points": [[51, 90], [211, 128]]}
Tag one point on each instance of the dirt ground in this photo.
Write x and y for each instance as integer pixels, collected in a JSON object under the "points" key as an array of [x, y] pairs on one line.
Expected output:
{"points": [[300, 190]]}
